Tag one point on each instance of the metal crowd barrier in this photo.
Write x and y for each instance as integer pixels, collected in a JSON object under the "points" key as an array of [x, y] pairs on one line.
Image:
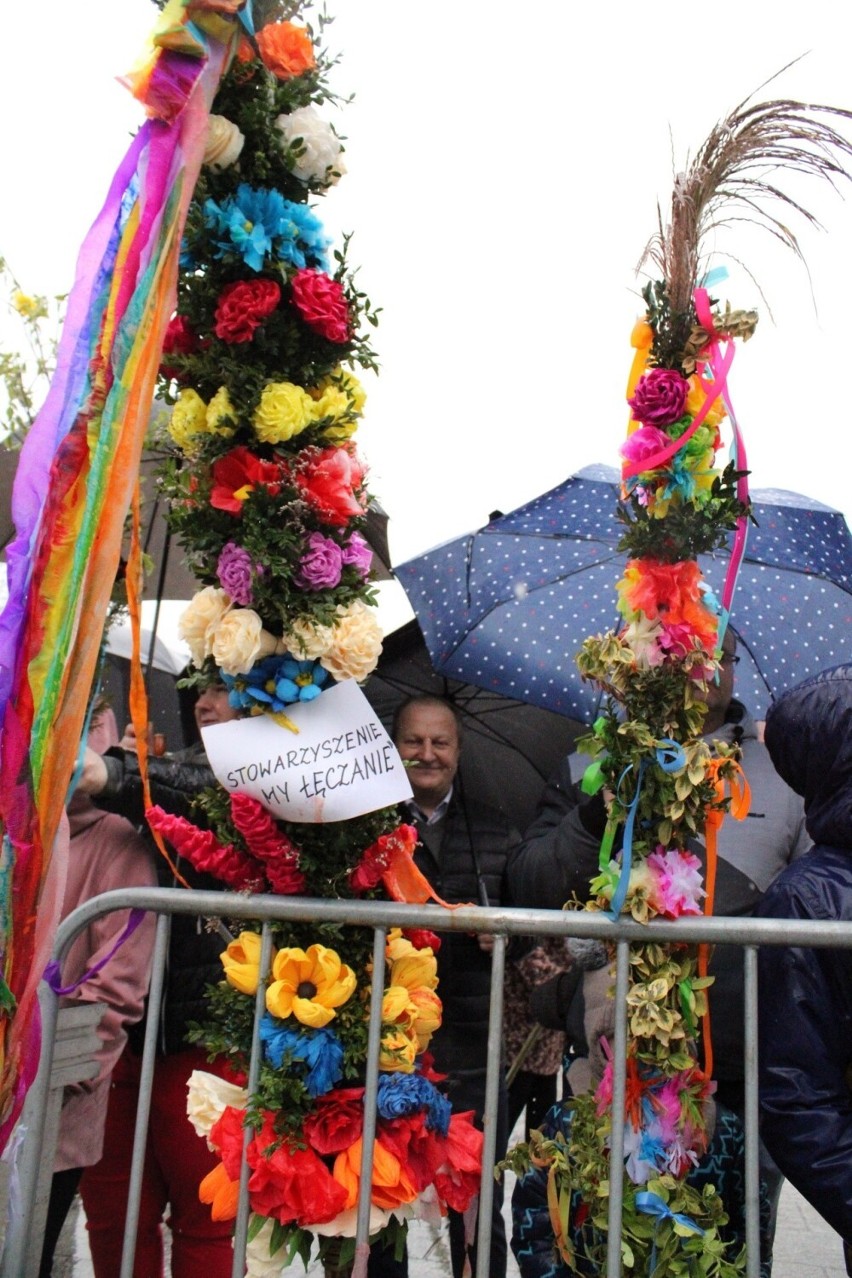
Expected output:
{"points": [[21, 1253]]}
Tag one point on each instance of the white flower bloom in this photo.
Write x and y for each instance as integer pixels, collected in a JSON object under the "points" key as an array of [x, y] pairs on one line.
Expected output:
{"points": [[320, 150], [208, 1096], [239, 640], [198, 622], [224, 143]]}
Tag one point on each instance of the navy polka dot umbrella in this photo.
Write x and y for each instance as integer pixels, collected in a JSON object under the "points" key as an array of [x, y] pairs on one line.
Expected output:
{"points": [[508, 607]]}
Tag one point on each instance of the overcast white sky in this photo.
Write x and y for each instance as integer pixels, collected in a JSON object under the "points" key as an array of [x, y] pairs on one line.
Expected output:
{"points": [[504, 169]]}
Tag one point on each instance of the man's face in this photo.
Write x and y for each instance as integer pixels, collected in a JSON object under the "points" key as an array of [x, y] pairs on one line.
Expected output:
{"points": [[428, 736], [212, 706]]}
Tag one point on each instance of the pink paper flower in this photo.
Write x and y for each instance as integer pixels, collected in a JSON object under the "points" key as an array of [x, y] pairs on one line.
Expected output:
{"points": [[322, 304], [660, 397], [679, 881]]}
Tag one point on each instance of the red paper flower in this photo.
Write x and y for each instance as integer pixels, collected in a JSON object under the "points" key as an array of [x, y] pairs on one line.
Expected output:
{"points": [[180, 339], [226, 1136], [236, 474], [337, 1120], [291, 1185], [242, 308], [330, 480], [422, 939], [458, 1180], [322, 304], [420, 1151]]}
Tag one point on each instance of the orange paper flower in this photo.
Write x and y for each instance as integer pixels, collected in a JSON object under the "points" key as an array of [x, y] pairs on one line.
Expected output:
{"points": [[286, 49], [221, 1192]]}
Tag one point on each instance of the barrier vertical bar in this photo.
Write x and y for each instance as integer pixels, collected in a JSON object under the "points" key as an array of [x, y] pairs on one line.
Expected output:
{"points": [[492, 1088], [752, 1137], [619, 1090]]}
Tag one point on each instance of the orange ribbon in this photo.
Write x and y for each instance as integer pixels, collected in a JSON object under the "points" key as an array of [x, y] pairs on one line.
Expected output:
{"points": [[740, 802]]}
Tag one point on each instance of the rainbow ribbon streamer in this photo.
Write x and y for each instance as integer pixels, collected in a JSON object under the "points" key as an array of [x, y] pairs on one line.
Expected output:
{"points": [[75, 479]]}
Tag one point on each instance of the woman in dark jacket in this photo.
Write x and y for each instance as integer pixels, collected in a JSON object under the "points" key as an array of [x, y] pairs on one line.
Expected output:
{"points": [[806, 994]]}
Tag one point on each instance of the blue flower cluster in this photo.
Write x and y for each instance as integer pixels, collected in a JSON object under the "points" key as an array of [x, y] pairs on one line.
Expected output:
{"points": [[318, 1051], [275, 683], [401, 1094], [261, 224]]}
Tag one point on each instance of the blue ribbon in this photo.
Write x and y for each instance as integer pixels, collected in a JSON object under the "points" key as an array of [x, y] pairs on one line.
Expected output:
{"points": [[246, 17], [653, 1205], [671, 757]]}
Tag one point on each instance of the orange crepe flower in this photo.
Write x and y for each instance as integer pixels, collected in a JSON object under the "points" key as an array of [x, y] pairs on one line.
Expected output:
{"points": [[286, 49]]}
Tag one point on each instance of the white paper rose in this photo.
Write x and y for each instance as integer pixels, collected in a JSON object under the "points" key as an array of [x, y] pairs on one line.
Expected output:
{"points": [[207, 1098], [240, 640], [200, 618], [224, 143], [319, 158], [356, 642], [307, 641]]}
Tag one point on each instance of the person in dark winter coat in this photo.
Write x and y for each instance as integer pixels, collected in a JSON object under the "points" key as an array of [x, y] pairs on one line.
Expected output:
{"points": [[805, 995], [464, 848], [176, 1160]]}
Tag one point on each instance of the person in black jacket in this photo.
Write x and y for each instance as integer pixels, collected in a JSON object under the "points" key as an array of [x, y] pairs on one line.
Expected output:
{"points": [[464, 848], [176, 1160], [805, 995]]}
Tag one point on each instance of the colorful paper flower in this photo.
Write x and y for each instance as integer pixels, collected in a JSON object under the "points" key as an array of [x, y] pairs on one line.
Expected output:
{"points": [[659, 397], [314, 146], [237, 473], [336, 1121], [321, 566], [242, 308], [259, 226], [236, 570], [315, 1054], [286, 49], [322, 304], [241, 961], [283, 411], [309, 984]]}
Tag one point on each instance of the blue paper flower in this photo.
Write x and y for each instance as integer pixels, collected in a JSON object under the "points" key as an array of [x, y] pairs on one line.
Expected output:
{"points": [[275, 683], [401, 1094], [318, 1053], [260, 224]]}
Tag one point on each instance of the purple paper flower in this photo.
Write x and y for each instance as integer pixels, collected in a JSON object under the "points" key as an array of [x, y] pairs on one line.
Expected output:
{"points": [[235, 570], [660, 397], [359, 554], [322, 563]]}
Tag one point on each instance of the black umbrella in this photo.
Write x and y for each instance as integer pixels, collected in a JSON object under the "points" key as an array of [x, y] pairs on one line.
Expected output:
{"points": [[507, 608], [510, 747]]}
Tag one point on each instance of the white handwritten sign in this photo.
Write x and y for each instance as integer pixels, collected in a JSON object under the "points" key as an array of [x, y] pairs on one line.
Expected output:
{"points": [[340, 764]]}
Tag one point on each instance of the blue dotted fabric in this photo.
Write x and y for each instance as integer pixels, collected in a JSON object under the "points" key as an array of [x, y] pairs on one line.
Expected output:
{"points": [[507, 608]]}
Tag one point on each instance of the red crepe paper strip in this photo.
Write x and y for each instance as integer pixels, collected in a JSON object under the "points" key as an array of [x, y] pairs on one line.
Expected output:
{"points": [[205, 853], [268, 844]]}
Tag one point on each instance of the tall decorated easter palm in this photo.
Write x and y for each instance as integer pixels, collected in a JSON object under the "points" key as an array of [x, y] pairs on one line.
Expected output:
{"points": [[664, 784]]}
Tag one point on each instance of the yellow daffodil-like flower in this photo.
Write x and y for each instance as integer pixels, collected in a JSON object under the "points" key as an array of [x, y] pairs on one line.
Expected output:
{"points": [[398, 1051], [397, 1007], [221, 416], [417, 970], [309, 985], [284, 411], [188, 420], [429, 1015], [241, 962]]}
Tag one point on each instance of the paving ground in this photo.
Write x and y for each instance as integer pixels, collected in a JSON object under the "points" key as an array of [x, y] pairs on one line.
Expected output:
{"points": [[805, 1247]]}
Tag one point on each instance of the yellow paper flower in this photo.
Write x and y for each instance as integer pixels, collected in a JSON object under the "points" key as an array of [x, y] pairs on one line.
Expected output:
{"points": [[695, 399], [284, 411], [241, 962], [221, 417], [197, 623], [417, 970], [188, 420], [341, 397], [397, 1007], [398, 1051], [429, 1016], [309, 985], [307, 641]]}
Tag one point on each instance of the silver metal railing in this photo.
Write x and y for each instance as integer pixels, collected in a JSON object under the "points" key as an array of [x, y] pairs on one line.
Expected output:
{"points": [[20, 1255]]}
